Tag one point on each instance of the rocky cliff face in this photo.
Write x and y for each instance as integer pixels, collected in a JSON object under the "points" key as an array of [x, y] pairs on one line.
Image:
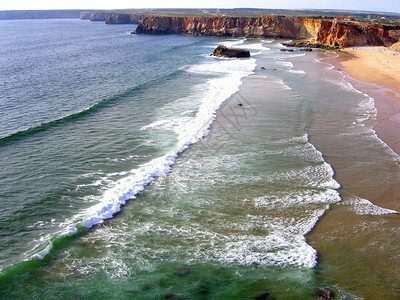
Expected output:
{"points": [[98, 16], [328, 32], [85, 15], [112, 17], [123, 18]]}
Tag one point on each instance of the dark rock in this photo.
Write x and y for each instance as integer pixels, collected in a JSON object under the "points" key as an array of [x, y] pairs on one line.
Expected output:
{"points": [[170, 297], [262, 68], [264, 296], [287, 50], [298, 44], [222, 51], [202, 289], [325, 294], [309, 45], [306, 49]]}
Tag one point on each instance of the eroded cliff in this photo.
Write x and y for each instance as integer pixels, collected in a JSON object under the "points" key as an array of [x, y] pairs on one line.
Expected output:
{"points": [[328, 32]]}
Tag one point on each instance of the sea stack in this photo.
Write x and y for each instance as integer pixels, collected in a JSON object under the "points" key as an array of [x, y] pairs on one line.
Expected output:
{"points": [[223, 51]]}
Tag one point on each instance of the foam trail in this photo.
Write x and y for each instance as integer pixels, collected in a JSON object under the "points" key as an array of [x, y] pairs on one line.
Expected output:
{"points": [[364, 207]]}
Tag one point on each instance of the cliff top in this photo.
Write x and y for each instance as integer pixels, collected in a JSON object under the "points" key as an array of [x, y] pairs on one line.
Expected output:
{"points": [[237, 12]]}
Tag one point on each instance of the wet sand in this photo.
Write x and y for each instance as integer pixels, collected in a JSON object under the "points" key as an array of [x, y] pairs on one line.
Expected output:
{"points": [[360, 252], [379, 67]]}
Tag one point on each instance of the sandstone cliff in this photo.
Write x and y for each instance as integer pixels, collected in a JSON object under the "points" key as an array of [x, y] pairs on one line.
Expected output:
{"points": [[328, 32]]}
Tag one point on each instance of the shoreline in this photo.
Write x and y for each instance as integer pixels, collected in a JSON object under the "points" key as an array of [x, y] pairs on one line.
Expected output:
{"points": [[376, 72]]}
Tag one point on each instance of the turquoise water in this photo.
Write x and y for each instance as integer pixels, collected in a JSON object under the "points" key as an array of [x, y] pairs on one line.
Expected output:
{"points": [[130, 171]]}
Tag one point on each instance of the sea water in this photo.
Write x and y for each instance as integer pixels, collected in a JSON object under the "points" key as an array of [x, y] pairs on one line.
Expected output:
{"points": [[137, 166]]}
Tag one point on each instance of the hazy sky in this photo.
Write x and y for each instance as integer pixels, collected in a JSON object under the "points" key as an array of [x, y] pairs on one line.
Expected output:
{"points": [[371, 5]]}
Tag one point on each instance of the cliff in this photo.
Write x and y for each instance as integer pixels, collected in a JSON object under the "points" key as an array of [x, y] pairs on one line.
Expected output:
{"points": [[98, 16], [85, 15], [39, 14], [123, 18], [113, 17], [328, 32]]}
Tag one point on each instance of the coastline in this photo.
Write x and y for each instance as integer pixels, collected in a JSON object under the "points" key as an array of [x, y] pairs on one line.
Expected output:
{"points": [[376, 72]]}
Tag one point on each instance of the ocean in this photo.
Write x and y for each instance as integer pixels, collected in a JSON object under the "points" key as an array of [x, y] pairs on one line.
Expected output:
{"points": [[141, 167]]}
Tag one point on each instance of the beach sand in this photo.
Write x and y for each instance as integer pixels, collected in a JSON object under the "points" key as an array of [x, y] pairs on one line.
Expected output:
{"points": [[380, 67], [377, 65]]}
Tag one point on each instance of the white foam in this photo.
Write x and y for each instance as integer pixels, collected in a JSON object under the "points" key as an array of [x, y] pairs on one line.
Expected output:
{"points": [[292, 55], [232, 43], [298, 139], [297, 72], [285, 244], [257, 46], [319, 175], [290, 67], [267, 41], [222, 66], [366, 109], [281, 83], [364, 207], [286, 64], [71, 230], [299, 198], [228, 43]]}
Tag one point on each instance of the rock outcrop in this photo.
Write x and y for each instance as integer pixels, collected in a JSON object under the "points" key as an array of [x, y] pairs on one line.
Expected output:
{"points": [[327, 32], [223, 51], [395, 47]]}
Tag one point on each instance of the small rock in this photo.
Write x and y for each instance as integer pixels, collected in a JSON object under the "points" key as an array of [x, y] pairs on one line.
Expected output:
{"points": [[264, 296], [223, 51], [202, 290], [325, 294]]}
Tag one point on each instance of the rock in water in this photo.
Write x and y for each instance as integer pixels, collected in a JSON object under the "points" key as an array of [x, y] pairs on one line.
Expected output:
{"points": [[325, 294], [222, 51]]}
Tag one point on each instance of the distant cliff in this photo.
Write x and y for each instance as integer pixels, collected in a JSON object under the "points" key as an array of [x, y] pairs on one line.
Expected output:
{"points": [[113, 17], [328, 32], [38, 14], [123, 18]]}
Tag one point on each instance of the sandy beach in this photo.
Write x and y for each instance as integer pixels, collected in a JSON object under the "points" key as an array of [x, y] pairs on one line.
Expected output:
{"points": [[380, 68], [378, 65]]}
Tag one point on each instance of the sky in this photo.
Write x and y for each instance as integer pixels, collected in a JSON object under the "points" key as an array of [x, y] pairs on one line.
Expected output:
{"points": [[368, 5]]}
